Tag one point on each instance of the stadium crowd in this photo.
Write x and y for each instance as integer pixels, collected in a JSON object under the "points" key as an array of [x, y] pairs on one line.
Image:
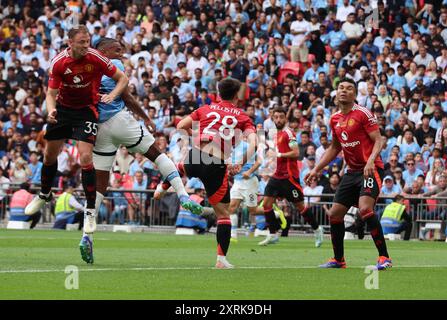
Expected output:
{"points": [[285, 53]]}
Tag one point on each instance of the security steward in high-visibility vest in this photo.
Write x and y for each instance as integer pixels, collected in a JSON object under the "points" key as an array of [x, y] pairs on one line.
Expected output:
{"points": [[68, 210], [395, 219], [20, 199]]}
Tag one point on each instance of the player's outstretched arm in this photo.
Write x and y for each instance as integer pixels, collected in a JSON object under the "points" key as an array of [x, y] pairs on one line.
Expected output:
{"points": [[51, 104], [121, 84], [133, 105], [376, 137], [185, 124], [329, 155]]}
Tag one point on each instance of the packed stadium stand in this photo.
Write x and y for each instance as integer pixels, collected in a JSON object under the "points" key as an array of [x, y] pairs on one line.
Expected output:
{"points": [[285, 53]]}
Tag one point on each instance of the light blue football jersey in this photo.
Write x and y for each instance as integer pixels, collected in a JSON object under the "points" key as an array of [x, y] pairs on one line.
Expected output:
{"points": [[237, 155], [108, 110]]}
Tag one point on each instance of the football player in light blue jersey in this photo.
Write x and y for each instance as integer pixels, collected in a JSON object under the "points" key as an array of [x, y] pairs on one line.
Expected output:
{"points": [[118, 127], [245, 186], [108, 110]]}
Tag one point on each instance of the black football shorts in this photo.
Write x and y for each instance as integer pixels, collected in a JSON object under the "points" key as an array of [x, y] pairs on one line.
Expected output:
{"points": [[289, 189], [77, 124], [212, 172], [353, 186]]}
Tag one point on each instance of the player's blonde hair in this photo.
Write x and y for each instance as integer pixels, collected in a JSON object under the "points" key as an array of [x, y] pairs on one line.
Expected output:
{"points": [[79, 29]]}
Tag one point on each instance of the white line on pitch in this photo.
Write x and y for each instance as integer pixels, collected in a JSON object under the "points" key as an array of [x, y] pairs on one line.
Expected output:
{"points": [[194, 268]]}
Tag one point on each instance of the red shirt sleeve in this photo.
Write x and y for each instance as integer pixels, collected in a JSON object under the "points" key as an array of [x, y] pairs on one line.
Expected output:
{"points": [[369, 122], [55, 79], [105, 64], [195, 115], [248, 126]]}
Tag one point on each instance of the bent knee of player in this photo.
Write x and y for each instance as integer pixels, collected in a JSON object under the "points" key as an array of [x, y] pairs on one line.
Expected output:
{"points": [[337, 211], [152, 153], [268, 203], [51, 152], [221, 210], [365, 212], [253, 210], [85, 159]]}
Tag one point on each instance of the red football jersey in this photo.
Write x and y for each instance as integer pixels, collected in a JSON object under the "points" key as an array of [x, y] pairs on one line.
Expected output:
{"points": [[78, 80], [286, 168], [221, 123], [352, 130]]}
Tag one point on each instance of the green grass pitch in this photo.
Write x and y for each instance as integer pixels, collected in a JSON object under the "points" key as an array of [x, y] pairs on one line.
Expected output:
{"points": [[165, 266]]}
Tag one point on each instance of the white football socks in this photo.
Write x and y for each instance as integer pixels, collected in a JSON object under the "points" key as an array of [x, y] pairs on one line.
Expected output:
{"points": [[234, 222]]}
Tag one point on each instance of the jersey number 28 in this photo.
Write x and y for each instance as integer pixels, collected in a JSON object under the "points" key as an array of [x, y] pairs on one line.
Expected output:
{"points": [[226, 130]]}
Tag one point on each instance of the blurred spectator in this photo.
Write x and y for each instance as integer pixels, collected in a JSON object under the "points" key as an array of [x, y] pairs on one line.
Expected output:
{"points": [[138, 205], [19, 171], [390, 189], [35, 167], [124, 159], [20, 199], [313, 190], [330, 188], [119, 204]]}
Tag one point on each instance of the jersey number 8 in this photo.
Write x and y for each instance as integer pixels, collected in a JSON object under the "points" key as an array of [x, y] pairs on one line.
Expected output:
{"points": [[226, 130]]}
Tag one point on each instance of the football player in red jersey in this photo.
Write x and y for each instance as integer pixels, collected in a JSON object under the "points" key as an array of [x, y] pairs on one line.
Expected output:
{"points": [[71, 101], [219, 127], [356, 132], [285, 181]]}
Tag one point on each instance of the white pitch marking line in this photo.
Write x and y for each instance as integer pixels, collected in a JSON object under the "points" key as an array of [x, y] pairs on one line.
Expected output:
{"points": [[195, 268]]}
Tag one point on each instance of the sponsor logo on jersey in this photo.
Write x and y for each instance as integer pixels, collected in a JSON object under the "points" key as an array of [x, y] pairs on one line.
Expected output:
{"points": [[350, 144], [77, 79], [77, 86], [68, 71], [344, 135]]}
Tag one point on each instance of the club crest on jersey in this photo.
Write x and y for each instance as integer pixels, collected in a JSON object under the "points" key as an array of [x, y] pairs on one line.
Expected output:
{"points": [[77, 79], [351, 122], [88, 67], [344, 135]]}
